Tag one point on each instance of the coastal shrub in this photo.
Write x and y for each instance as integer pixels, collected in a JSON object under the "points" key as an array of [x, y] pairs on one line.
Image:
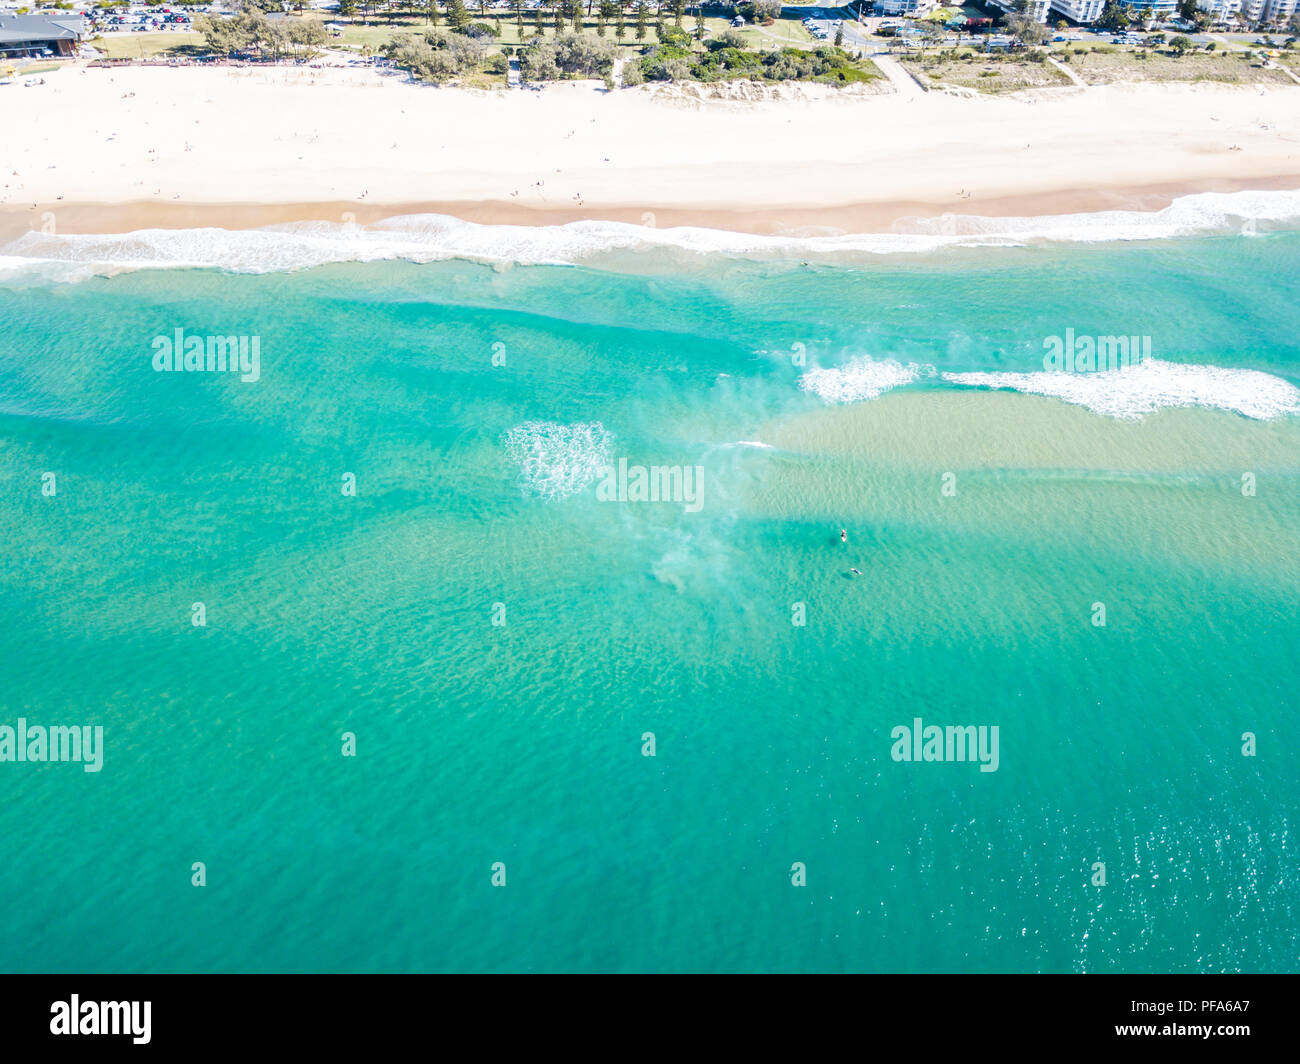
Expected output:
{"points": [[724, 61], [579, 55], [538, 64], [672, 69], [828, 64], [497, 64], [252, 32], [760, 10], [568, 55], [728, 63], [726, 39], [1025, 28], [673, 36], [654, 64], [480, 31], [632, 74], [439, 56]]}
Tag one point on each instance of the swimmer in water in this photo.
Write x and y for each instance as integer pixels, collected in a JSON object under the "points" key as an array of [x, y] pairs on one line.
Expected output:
{"points": [[855, 572], [844, 535]]}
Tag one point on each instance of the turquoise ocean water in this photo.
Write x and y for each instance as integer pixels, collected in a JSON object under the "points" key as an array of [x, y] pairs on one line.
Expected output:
{"points": [[521, 742]]}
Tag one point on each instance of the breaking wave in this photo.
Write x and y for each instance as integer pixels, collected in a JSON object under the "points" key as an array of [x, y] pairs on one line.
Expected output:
{"points": [[1152, 385], [1126, 394], [859, 379], [433, 237], [557, 460]]}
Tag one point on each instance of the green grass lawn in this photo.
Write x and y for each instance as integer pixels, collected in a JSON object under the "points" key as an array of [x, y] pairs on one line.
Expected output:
{"points": [[146, 45], [15, 67]]}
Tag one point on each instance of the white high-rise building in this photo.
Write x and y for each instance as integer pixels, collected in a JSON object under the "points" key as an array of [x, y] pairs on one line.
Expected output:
{"points": [[1278, 10], [1080, 10], [904, 7], [1220, 9], [1160, 9], [1036, 9]]}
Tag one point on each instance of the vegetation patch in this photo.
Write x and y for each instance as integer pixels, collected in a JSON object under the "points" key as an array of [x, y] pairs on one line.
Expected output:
{"points": [[1236, 68], [727, 59], [986, 72]]}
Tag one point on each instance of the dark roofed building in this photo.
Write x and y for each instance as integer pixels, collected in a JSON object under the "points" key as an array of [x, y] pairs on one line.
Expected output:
{"points": [[36, 34]]}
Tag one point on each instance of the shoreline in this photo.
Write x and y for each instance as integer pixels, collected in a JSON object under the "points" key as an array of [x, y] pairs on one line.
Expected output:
{"points": [[867, 217], [108, 150]]}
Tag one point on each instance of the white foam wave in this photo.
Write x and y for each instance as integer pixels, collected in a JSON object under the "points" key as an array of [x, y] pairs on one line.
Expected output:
{"points": [[432, 237], [557, 460], [1202, 212], [1152, 385], [860, 378]]}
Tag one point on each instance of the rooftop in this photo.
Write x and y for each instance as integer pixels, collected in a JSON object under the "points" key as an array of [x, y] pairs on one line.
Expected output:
{"points": [[16, 28]]}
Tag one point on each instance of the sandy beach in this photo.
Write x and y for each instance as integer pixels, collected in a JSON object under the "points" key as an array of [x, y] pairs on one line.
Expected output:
{"points": [[115, 149]]}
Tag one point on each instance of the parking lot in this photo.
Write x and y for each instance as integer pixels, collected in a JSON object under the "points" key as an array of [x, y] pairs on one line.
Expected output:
{"points": [[108, 20]]}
